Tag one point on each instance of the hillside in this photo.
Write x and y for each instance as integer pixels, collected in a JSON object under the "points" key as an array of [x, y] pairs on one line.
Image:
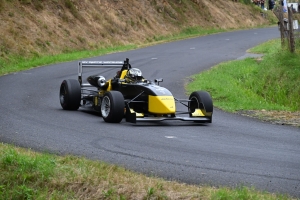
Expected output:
{"points": [[39, 27]]}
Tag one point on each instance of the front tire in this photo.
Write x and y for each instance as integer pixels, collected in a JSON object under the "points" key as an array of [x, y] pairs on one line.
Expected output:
{"points": [[112, 107], [70, 94], [203, 101]]}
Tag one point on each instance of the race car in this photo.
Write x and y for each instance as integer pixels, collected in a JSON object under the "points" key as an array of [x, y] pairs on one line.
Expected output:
{"points": [[129, 95]]}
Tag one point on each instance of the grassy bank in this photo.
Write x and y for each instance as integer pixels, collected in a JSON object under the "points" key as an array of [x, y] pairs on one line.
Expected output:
{"points": [[15, 63], [29, 175], [270, 82]]}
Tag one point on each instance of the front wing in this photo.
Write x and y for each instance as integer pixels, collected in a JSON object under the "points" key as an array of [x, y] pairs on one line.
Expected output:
{"points": [[136, 117], [131, 117], [194, 119]]}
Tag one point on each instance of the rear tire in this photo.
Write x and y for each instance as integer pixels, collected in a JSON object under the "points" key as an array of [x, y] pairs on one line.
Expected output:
{"points": [[112, 107], [201, 100], [70, 94]]}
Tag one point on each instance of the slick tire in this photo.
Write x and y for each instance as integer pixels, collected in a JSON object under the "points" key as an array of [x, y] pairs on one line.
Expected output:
{"points": [[201, 100], [112, 107], [70, 94]]}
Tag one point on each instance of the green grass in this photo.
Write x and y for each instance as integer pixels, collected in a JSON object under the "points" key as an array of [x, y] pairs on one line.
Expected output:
{"points": [[22, 175], [17, 63], [29, 175], [270, 82]]}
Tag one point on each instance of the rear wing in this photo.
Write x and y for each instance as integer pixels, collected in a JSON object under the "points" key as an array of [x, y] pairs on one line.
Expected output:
{"points": [[101, 64]]}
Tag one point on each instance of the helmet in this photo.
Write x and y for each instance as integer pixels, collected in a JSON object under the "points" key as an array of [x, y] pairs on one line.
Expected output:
{"points": [[133, 75]]}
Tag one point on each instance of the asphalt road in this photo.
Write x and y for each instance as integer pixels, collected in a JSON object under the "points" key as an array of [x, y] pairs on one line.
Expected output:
{"points": [[232, 151]]}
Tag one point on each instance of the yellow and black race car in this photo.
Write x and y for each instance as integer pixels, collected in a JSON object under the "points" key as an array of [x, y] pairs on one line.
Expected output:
{"points": [[129, 95]]}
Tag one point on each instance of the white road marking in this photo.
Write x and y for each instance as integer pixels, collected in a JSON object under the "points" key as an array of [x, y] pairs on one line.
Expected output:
{"points": [[170, 137]]}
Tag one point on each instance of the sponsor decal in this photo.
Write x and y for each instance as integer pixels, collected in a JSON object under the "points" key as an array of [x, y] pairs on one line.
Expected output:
{"points": [[166, 98]]}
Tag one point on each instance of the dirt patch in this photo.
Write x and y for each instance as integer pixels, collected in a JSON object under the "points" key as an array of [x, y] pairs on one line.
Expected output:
{"points": [[275, 117]]}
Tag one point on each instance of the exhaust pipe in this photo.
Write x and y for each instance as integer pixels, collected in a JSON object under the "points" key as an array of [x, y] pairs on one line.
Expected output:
{"points": [[98, 81]]}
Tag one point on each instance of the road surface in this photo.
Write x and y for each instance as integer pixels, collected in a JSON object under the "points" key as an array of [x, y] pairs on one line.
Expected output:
{"points": [[234, 150]]}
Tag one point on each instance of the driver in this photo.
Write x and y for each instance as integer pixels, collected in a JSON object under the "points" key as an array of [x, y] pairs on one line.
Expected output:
{"points": [[133, 75]]}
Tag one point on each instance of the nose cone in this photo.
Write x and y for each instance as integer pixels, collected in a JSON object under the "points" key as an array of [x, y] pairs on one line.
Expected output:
{"points": [[161, 104]]}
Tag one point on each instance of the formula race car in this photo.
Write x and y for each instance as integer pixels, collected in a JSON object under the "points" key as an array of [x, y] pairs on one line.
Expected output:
{"points": [[129, 95]]}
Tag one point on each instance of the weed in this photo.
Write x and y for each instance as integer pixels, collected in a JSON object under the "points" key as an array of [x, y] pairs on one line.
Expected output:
{"points": [[159, 186], [150, 192], [109, 193], [23, 192]]}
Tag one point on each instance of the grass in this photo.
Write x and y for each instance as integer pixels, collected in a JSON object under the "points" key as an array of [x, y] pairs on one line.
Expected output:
{"points": [[270, 82], [29, 175], [17, 63]]}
